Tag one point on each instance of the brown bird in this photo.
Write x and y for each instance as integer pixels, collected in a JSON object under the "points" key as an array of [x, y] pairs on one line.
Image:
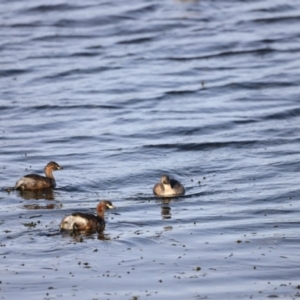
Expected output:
{"points": [[35, 181], [168, 187], [87, 222]]}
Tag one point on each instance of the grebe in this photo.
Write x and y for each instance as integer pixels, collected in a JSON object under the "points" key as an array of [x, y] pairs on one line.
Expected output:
{"points": [[168, 187], [87, 222], [35, 182]]}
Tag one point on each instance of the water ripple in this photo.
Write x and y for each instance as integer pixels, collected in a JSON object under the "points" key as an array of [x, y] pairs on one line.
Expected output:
{"points": [[120, 93]]}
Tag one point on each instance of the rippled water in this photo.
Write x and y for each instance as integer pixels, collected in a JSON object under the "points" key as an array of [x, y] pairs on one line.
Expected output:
{"points": [[120, 92]]}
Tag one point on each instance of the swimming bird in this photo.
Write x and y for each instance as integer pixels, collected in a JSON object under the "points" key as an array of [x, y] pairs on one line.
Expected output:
{"points": [[35, 181], [87, 222], [168, 187]]}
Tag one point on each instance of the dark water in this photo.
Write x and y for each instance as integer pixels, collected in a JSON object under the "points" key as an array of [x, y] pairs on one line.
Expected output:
{"points": [[120, 92]]}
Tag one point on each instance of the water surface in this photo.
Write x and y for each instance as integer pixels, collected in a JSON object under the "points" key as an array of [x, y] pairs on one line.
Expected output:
{"points": [[120, 93]]}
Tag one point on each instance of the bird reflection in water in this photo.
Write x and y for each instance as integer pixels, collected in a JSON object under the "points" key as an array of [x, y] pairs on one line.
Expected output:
{"points": [[39, 206], [103, 237], [79, 237], [166, 212], [166, 209], [46, 194]]}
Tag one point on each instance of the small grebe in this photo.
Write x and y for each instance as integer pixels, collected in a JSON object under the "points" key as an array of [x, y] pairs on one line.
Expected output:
{"points": [[35, 182], [168, 187], [87, 222]]}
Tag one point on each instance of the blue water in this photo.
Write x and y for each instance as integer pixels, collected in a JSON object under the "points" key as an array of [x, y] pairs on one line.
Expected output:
{"points": [[119, 93]]}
